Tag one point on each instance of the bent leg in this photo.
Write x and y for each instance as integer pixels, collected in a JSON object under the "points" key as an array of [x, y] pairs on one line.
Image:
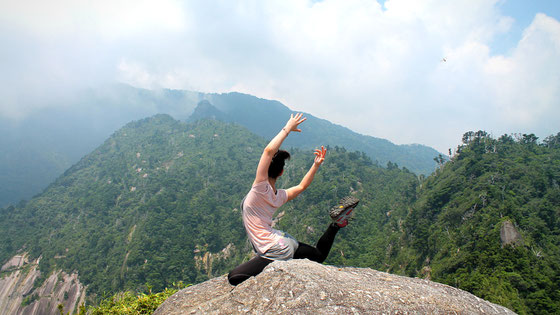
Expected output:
{"points": [[320, 252], [246, 270]]}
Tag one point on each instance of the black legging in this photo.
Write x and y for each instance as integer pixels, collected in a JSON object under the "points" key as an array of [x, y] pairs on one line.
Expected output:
{"points": [[318, 253]]}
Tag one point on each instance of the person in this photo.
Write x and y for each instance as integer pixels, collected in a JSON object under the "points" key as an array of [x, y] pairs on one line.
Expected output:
{"points": [[262, 201]]}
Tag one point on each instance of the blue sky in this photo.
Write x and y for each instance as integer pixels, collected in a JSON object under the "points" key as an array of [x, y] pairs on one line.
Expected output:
{"points": [[523, 11], [375, 68]]}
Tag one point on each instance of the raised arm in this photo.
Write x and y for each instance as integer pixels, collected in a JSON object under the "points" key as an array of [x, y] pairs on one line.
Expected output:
{"points": [[308, 178], [274, 145]]}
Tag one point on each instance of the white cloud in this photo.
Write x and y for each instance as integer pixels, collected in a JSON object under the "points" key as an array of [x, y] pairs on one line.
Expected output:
{"points": [[135, 75], [526, 85], [109, 18], [375, 69]]}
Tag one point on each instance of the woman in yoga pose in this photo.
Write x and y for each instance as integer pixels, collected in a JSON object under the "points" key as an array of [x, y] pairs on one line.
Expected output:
{"points": [[262, 201]]}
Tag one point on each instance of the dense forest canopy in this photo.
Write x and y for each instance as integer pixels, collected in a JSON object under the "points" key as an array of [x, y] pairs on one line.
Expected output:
{"points": [[455, 230], [158, 203]]}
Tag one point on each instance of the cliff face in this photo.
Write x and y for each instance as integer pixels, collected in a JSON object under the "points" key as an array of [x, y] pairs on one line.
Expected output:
{"points": [[305, 287], [19, 296]]}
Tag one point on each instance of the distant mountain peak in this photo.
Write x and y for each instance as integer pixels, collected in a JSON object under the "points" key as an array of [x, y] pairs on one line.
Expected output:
{"points": [[265, 118], [205, 110]]}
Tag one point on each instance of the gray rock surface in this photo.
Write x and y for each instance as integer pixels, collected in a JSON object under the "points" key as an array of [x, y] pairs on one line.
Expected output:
{"points": [[509, 234], [19, 296], [306, 287]]}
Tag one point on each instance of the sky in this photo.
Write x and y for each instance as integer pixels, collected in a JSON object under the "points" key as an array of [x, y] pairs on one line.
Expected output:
{"points": [[410, 71]]}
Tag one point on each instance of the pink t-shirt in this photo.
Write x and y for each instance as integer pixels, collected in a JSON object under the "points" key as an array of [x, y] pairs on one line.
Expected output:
{"points": [[258, 208]]}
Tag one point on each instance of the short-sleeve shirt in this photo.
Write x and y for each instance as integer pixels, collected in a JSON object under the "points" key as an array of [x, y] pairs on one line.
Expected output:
{"points": [[259, 206]]}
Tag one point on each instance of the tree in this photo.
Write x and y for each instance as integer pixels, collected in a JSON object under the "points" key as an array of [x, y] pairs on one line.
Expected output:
{"points": [[552, 141], [529, 139]]}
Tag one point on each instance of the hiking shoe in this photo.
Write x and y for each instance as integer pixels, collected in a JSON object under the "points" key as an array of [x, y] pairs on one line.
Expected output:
{"points": [[342, 212]]}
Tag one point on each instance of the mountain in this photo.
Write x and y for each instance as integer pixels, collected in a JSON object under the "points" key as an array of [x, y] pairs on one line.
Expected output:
{"points": [[158, 202], [40, 147], [35, 150], [266, 118], [205, 110], [138, 205], [488, 222]]}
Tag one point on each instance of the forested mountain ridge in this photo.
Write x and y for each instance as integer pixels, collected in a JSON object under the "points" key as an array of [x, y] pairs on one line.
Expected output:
{"points": [[488, 222], [115, 213], [37, 149], [158, 203], [265, 117]]}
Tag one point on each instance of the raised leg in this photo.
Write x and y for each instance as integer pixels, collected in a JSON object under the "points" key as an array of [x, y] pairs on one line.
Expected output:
{"points": [[320, 252]]}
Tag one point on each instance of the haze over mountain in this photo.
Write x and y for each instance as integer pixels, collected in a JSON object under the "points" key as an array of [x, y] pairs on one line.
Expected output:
{"points": [[37, 149], [374, 66]]}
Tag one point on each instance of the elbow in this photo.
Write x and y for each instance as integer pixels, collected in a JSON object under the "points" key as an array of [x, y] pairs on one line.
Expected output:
{"points": [[295, 191], [270, 150]]}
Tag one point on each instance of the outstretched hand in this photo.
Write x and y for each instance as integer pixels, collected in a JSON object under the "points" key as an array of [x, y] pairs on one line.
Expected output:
{"points": [[293, 123], [320, 156]]}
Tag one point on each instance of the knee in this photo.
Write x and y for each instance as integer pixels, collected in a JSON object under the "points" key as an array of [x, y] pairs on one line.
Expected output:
{"points": [[231, 278], [235, 279]]}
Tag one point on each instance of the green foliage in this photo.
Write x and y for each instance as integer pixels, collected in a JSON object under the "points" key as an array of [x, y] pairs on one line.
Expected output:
{"points": [[454, 227], [384, 195], [128, 303], [29, 299], [133, 211]]}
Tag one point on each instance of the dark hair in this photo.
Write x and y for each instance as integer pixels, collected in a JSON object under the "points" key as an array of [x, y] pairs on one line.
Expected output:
{"points": [[277, 164]]}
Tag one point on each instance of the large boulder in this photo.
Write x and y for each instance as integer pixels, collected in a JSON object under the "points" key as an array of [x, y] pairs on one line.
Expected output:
{"points": [[306, 287]]}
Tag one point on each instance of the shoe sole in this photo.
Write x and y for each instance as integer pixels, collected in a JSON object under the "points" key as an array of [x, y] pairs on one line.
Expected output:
{"points": [[342, 220], [347, 203]]}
